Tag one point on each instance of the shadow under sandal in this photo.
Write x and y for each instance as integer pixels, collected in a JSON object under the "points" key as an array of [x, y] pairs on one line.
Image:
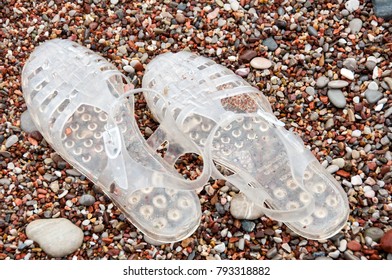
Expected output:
{"points": [[235, 126], [80, 104]]}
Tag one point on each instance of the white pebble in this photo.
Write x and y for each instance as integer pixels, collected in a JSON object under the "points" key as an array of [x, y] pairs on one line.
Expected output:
{"points": [[379, 107], [352, 5], [220, 248], [373, 85], [342, 245], [356, 133], [334, 254], [370, 194], [356, 180], [347, 73]]}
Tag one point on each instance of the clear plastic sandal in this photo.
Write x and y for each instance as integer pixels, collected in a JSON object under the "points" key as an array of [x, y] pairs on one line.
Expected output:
{"points": [[234, 124], [80, 104]]}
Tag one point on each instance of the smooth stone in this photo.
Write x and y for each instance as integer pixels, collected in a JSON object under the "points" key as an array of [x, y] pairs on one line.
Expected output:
{"points": [[352, 5], [388, 81], [356, 133], [54, 186], [351, 64], [220, 248], [335, 254], [281, 24], [241, 244], [332, 169], [339, 162], [272, 253], [329, 124], [356, 180], [243, 72], [347, 73], [337, 84], [129, 69], [57, 237], [322, 81], [260, 63], [355, 25], [241, 208], [312, 31], [248, 226], [337, 98], [180, 18], [371, 63], [73, 172], [270, 44], [26, 122], [13, 139], [372, 96], [87, 200], [373, 85], [247, 55], [386, 242], [342, 245]]}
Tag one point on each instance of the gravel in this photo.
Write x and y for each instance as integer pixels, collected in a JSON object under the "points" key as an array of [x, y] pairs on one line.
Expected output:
{"points": [[305, 46]]}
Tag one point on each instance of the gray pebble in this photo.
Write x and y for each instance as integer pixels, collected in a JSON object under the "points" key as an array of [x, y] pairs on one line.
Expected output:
{"points": [[339, 162], [87, 200], [270, 44], [372, 96], [322, 81], [355, 25], [332, 168], [272, 253], [337, 98], [73, 172], [241, 244], [5, 182], [220, 248], [337, 84], [374, 233], [329, 124], [351, 64], [248, 226], [13, 139], [312, 31], [26, 122]]}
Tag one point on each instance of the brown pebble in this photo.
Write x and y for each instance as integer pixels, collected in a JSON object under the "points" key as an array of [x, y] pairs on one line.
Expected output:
{"points": [[354, 245], [269, 231], [41, 170], [386, 241], [247, 55]]}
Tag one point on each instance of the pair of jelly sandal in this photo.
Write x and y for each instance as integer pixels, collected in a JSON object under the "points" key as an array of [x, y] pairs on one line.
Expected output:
{"points": [[82, 106]]}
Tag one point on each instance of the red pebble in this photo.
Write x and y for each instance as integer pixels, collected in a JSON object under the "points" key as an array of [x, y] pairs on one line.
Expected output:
{"points": [[386, 241], [354, 245]]}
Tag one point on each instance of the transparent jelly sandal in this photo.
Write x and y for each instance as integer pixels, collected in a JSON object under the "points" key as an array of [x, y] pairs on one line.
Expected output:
{"points": [[80, 104], [234, 124]]}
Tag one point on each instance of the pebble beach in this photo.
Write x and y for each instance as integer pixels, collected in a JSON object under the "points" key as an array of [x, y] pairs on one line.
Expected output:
{"points": [[325, 67]]}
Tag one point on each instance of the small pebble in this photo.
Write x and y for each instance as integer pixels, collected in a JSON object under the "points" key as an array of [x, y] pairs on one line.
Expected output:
{"points": [[270, 44], [337, 98], [372, 96], [87, 200], [322, 82], [356, 180], [337, 84], [355, 25], [13, 139], [347, 73], [260, 63]]}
